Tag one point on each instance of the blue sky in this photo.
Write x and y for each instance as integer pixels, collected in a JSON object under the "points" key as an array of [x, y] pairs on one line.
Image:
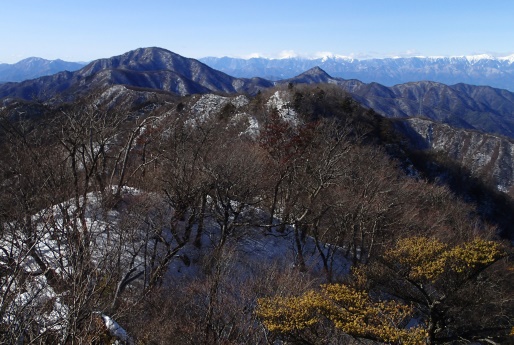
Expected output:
{"points": [[76, 30]]}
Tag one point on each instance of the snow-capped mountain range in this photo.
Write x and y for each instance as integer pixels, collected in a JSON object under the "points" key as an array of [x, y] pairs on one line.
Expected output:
{"points": [[476, 70], [480, 69], [462, 105]]}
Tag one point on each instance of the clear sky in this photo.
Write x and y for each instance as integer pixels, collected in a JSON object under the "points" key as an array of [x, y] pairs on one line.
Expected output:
{"points": [[77, 30]]}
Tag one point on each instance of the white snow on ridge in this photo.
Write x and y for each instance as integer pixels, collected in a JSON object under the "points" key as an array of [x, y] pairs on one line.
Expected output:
{"points": [[207, 106], [257, 249], [50, 228], [509, 59], [325, 56], [210, 104], [115, 330], [475, 58], [291, 54], [279, 101]]}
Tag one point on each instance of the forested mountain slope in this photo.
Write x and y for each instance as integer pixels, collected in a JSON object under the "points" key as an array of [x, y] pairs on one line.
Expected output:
{"points": [[217, 212], [148, 187], [149, 68], [464, 106]]}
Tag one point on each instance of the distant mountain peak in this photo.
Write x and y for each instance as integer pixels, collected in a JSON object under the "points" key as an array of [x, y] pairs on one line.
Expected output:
{"points": [[314, 75], [316, 71], [32, 59], [149, 53], [35, 67]]}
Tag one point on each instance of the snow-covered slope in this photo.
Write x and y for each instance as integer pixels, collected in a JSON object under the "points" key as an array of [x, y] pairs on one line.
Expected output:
{"points": [[120, 244]]}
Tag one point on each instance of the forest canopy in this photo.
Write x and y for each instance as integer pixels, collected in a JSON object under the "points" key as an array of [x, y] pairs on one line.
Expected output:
{"points": [[148, 209]]}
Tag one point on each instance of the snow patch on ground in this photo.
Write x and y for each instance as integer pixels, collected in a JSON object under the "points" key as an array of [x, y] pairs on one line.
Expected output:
{"points": [[250, 248], [476, 58], [115, 330], [280, 101], [48, 240], [210, 104], [113, 90], [253, 128]]}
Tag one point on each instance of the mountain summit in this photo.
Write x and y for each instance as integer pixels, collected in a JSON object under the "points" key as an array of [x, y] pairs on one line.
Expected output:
{"points": [[312, 76], [155, 69], [147, 68]]}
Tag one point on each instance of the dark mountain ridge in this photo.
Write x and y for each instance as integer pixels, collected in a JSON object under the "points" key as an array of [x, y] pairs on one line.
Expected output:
{"points": [[152, 68], [314, 75], [465, 106], [481, 108]]}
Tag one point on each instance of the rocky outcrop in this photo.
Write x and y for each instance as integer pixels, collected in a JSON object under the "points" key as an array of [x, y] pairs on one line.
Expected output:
{"points": [[486, 155]]}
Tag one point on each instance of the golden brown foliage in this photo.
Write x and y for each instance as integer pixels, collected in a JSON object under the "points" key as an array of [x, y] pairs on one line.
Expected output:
{"points": [[426, 259], [435, 270], [454, 288], [348, 310]]}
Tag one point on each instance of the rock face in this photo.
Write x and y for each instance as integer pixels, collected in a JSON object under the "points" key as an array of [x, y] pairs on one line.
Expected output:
{"points": [[486, 155]]}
